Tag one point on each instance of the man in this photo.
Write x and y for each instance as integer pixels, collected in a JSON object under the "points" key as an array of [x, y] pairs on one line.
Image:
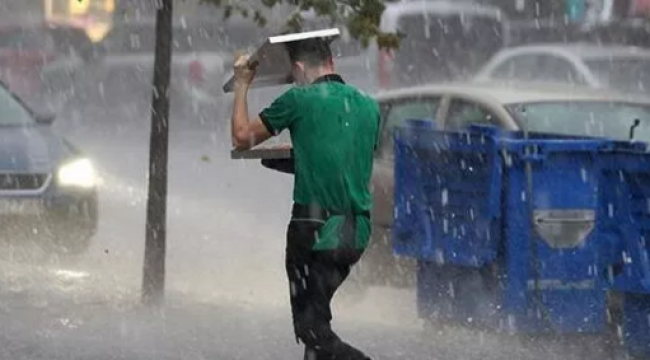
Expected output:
{"points": [[333, 129]]}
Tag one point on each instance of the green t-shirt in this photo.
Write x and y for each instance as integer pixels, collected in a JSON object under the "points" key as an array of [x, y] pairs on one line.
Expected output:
{"points": [[334, 130]]}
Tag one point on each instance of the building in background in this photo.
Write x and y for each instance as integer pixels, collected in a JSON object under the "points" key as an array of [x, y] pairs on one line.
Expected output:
{"points": [[95, 16], [141, 9]]}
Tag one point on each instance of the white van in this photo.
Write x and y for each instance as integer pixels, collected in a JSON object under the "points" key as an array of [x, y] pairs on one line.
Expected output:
{"points": [[444, 40]]}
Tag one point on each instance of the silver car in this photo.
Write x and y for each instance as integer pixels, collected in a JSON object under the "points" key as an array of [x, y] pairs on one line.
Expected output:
{"points": [[621, 68]]}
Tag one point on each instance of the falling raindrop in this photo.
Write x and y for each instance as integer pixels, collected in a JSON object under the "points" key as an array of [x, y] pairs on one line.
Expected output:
{"points": [[439, 256], [512, 327], [507, 158]]}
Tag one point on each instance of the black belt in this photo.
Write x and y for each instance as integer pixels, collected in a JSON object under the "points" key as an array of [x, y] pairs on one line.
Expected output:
{"points": [[347, 232], [315, 212]]}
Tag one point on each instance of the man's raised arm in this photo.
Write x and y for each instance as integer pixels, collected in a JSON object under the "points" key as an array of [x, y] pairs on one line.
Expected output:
{"points": [[245, 132]]}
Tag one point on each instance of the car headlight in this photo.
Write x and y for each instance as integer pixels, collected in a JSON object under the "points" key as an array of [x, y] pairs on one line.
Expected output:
{"points": [[80, 173]]}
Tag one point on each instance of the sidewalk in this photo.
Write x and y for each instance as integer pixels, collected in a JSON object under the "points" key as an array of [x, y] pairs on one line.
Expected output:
{"points": [[68, 328], [49, 316]]}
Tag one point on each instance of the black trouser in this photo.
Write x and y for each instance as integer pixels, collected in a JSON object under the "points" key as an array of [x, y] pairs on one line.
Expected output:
{"points": [[314, 276]]}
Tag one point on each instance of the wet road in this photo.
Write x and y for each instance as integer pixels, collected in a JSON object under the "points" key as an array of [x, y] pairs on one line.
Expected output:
{"points": [[227, 293]]}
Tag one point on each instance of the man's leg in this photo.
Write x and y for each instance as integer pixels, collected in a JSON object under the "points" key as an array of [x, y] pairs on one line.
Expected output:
{"points": [[295, 263], [298, 261], [313, 322], [314, 277]]}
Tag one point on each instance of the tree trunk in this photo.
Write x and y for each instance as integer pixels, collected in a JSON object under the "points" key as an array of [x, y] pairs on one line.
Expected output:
{"points": [[153, 279]]}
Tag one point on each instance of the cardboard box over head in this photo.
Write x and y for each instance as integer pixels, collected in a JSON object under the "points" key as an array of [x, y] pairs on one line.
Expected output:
{"points": [[272, 58]]}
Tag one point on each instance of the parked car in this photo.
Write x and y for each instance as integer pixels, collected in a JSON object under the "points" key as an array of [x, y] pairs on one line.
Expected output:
{"points": [[557, 109], [47, 186], [39, 61], [621, 68]]}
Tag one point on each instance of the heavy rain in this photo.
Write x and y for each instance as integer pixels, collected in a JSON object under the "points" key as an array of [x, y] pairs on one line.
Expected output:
{"points": [[510, 182]]}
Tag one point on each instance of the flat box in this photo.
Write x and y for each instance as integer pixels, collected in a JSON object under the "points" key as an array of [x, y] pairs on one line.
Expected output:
{"points": [[274, 67]]}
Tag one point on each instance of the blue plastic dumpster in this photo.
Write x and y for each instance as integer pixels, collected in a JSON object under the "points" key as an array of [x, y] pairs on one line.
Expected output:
{"points": [[525, 232]]}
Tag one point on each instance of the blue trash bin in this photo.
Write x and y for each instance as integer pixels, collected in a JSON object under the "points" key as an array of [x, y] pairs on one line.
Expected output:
{"points": [[551, 204], [464, 210]]}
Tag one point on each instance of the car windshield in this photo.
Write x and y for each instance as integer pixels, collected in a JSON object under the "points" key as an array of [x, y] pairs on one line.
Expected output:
{"points": [[626, 74], [584, 118], [12, 112]]}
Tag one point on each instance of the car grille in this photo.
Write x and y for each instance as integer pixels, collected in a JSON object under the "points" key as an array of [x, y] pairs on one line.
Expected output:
{"points": [[16, 181]]}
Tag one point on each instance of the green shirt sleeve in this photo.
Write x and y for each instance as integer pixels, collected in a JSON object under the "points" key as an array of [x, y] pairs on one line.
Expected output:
{"points": [[281, 113]]}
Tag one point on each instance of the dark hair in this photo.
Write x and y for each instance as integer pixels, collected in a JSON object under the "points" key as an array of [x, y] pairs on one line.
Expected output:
{"points": [[313, 52]]}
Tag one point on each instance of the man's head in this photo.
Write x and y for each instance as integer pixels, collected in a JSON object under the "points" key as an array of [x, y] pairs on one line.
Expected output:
{"points": [[310, 59]]}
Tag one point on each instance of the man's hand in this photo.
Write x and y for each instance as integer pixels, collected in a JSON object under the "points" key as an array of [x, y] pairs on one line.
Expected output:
{"points": [[244, 71]]}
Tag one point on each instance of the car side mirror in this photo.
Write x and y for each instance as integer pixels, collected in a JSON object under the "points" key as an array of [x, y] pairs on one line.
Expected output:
{"points": [[45, 119]]}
